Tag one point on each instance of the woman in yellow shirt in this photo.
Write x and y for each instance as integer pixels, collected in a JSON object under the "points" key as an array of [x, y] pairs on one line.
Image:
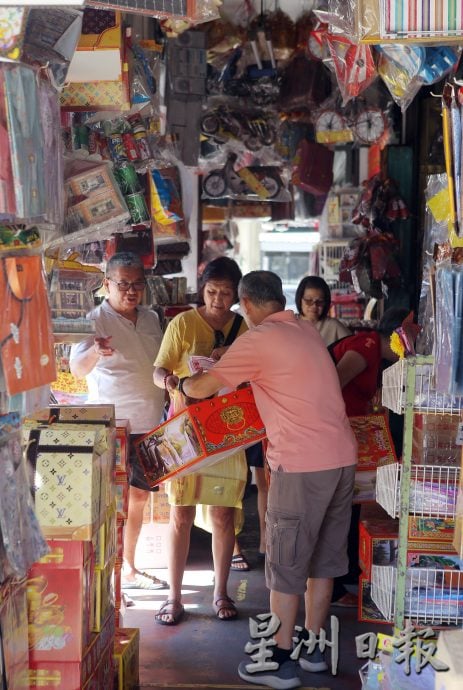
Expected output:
{"points": [[202, 331]]}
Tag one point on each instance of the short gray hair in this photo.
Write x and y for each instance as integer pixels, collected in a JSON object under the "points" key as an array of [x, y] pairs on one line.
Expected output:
{"points": [[262, 287], [124, 260]]}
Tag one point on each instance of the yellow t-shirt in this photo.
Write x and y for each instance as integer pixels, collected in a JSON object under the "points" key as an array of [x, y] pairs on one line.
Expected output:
{"points": [[188, 334]]}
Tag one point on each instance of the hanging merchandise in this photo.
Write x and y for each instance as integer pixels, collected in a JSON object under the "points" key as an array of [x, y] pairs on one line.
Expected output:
{"points": [[53, 171], [314, 168], [101, 54], [7, 190], [353, 65], [26, 140], [21, 541], [71, 294], [94, 200], [305, 83], [138, 241], [370, 264], [249, 182], [449, 331], [423, 19], [254, 129], [26, 342], [449, 124], [405, 68]]}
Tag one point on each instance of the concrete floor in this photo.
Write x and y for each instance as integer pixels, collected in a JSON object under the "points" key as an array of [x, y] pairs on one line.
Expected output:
{"points": [[203, 652]]}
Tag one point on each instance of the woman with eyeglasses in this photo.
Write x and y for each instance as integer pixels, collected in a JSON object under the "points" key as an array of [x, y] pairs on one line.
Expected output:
{"points": [[205, 331], [313, 301]]}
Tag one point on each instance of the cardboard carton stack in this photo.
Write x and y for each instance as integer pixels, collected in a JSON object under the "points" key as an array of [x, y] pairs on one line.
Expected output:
{"points": [[70, 591]]}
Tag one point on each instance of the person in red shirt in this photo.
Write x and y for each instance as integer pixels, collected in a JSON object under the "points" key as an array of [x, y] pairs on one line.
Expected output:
{"points": [[360, 360]]}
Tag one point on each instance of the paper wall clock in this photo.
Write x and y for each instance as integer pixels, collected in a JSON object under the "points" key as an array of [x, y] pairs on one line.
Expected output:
{"points": [[369, 125], [331, 127]]}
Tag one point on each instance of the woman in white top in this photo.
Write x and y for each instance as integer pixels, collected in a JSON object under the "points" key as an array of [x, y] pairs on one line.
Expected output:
{"points": [[313, 300]]}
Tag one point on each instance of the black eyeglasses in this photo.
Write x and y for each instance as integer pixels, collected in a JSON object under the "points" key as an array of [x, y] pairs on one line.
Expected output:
{"points": [[219, 339], [124, 285], [313, 302]]}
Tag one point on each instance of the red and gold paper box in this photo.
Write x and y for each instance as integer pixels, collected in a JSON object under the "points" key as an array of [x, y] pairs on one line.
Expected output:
{"points": [[375, 447], [59, 602], [200, 435], [103, 595], [13, 638], [431, 529], [105, 539], [59, 675], [126, 658], [368, 612], [122, 444], [378, 540], [122, 495]]}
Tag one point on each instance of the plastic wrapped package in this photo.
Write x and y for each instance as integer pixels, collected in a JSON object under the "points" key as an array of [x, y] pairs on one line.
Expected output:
{"points": [[449, 306], [238, 180], [22, 542], [7, 193], [95, 205], [340, 15], [53, 171], [406, 68], [435, 232], [353, 65], [26, 144], [71, 298]]}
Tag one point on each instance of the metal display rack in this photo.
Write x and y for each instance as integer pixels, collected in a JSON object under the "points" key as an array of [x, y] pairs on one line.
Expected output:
{"points": [[423, 595], [330, 253]]}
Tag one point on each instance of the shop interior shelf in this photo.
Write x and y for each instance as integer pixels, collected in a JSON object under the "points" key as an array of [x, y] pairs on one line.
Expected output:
{"points": [[433, 490], [432, 597], [426, 398]]}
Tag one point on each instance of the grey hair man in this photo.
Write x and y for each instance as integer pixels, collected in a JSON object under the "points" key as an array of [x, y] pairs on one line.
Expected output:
{"points": [[312, 455], [118, 364]]}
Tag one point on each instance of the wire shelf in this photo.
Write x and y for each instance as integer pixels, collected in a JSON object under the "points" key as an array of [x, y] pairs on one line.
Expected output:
{"points": [[432, 596], [433, 490], [426, 398]]}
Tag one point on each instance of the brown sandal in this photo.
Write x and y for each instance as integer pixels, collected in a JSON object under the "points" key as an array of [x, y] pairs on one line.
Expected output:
{"points": [[171, 608], [224, 603]]}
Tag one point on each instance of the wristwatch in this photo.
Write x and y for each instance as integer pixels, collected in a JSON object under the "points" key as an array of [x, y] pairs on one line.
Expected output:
{"points": [[180, 385]]}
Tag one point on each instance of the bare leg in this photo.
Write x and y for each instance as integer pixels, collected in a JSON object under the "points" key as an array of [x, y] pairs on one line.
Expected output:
{"points": [[181, 521], [285, 606], [317, 603], [262, 495], [137, 501], [223, 539]]}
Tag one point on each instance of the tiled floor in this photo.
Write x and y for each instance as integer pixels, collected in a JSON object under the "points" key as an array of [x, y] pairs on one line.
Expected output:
{"points": [[203, 652]]}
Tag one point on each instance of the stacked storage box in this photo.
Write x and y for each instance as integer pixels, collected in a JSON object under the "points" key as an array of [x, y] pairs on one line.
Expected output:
{"points": [[122, 502], [70, 591]]}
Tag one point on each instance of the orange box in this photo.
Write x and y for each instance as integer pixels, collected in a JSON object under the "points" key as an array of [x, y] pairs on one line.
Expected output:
{"points": [[378, 540], [59, 602], [94, 672], [13, 639], [122, 444], [375, 446], [200, 435]]}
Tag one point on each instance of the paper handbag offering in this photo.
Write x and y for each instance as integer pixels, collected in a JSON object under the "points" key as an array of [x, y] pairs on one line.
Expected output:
{"points": [[200, 435]]}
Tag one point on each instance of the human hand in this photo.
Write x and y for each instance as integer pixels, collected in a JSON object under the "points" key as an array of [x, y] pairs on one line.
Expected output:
{"points": [[102, 346], [217, 353], [171, 382]]}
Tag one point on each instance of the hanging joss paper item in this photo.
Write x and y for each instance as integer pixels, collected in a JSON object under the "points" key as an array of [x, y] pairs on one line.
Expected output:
{"points": [[353, 65]]}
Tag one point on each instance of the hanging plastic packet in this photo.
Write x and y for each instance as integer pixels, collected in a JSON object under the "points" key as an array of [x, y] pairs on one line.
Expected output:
{"points": [[353, 65], [165, 196]]}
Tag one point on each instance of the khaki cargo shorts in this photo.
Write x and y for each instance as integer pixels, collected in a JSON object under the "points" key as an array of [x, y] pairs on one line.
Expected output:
{"points": [[307, 523]]}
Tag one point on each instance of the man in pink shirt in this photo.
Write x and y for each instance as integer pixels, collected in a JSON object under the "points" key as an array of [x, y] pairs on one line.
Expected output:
{"points": [[312, 454]]}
